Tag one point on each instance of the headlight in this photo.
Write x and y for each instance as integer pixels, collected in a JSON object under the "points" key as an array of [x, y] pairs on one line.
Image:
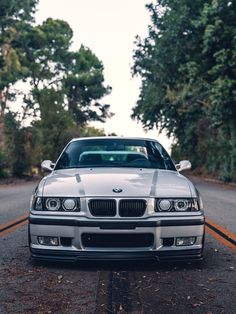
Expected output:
{"points": [[56, 204], [176, 205]]}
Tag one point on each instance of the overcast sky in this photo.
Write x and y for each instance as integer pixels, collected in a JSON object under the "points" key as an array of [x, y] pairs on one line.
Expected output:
{"points": [[108, 28]]}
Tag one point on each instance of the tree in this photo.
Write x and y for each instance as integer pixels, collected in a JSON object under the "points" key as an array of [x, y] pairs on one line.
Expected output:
{"points": [[76, 75], [83, 86], [14, 16], [187, 65], [65, 86], [17, 161]]}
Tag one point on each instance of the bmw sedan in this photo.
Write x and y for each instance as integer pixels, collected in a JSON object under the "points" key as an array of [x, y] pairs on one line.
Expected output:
{"points": [[115, 198]]}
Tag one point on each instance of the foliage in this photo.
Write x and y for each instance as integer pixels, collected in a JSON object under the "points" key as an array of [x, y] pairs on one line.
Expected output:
{"points": [[188, 70], [14, 17], [52, 131], [3, 164], [77, 76], [65, 87], [18, 161], [83, 86]]}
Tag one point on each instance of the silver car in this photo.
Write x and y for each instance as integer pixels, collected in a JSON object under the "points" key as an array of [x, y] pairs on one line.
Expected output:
{"points": [[115, 198]]}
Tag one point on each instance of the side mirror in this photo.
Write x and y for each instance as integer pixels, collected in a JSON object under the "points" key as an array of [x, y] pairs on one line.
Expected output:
{"points": [[47, 165], [183, 165]]}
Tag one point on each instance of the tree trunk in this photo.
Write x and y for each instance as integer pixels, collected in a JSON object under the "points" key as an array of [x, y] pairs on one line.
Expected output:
{"points": [[2, 122]]}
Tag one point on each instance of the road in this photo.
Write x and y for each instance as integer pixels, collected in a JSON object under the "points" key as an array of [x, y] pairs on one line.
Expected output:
{"points": [[14, 200], [138, 287], [219, 202]]}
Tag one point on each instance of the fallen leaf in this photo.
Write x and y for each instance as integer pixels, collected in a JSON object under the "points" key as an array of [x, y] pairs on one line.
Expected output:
{"points": [[120, 307], [194, 305]]}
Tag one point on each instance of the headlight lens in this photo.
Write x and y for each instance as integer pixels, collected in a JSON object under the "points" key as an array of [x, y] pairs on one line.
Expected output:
{"points": [[176, 205], [56, 204], [69, 204], [53, 204], [164, 205], [182, 205]]}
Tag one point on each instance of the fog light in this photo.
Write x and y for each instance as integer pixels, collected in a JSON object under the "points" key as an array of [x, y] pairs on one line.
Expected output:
{"points": [[186, 241], [52, 241]]}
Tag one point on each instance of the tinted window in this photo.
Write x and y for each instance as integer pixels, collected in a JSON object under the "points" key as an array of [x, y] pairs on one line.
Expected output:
{"points": [[115, 153]]}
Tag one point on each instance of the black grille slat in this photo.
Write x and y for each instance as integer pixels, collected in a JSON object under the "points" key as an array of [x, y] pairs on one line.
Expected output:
{"points": [[132, 208], [112, 240], [102, 208]]}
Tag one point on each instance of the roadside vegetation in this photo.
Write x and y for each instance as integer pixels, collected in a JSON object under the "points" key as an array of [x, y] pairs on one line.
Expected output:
{"points": [[50, 93], [57, 90], [188, 69]]}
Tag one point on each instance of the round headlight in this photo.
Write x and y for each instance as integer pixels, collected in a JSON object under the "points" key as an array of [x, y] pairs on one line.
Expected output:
{"points": [[181, 205], [53, 204], [164, 205], [69, 204]]}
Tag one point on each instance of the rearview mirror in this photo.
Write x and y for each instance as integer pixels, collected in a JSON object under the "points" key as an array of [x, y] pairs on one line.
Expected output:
{"points": [[47, 165], [183, 165]]}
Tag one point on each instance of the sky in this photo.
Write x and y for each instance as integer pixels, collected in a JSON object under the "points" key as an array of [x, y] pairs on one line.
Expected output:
{"points": [[108, 28]]}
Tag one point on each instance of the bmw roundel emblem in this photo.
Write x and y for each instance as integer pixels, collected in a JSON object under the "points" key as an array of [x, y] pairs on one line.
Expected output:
{"points": [[117, 190]]}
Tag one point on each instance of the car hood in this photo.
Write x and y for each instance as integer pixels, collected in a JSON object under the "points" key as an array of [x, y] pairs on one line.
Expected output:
{"points": [[134, 182]]}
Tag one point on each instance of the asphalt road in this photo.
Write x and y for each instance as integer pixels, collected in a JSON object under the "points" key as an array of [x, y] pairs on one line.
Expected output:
{"points": [[138, 287], [219, 202], [15, 200]]}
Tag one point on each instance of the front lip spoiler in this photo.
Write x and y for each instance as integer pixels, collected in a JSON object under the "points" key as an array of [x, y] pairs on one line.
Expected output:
{"points": [[116, 224], [65, 256]]}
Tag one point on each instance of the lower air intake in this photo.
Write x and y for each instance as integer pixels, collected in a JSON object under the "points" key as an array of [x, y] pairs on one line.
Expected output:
{"points": [[110, 240]]}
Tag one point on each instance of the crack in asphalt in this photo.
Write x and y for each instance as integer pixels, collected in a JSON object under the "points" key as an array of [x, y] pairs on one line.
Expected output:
{"points": [[117, 294]]}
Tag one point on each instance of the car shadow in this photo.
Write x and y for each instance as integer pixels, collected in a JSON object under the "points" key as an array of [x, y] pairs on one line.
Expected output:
{"points": [[116, 265]]}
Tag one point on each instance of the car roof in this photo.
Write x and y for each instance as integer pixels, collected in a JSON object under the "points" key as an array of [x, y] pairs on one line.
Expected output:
{"points": [[113, 138]]}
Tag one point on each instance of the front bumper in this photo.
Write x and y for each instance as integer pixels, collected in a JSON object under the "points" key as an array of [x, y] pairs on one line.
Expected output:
{"points": [[74, 228]]}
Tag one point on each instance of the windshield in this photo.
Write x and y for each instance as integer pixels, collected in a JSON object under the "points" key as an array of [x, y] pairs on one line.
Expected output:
{"points": [[114, 153]]}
